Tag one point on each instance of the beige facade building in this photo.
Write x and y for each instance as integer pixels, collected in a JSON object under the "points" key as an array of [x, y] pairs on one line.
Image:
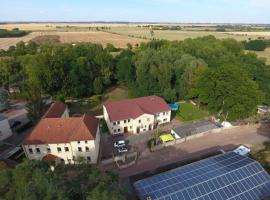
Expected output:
{"points": [[64, 139], [136, 115]]}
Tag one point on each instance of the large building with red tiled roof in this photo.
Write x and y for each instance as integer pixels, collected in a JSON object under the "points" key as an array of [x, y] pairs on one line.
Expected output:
{"points": [[68, 139], [136, 115]]}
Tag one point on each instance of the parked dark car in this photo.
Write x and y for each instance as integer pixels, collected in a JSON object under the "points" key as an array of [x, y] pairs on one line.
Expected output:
{"points": [[15, 123]]}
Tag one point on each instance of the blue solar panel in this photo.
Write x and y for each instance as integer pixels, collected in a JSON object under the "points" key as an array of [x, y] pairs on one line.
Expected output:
{"points": [[227, 176]]}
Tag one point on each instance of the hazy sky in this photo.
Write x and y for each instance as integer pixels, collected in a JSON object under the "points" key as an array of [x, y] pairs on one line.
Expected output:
{"points": [[229, 11]]}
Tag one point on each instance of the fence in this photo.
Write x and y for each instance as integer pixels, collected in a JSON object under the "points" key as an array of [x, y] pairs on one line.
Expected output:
{"points": [[191, 137]]}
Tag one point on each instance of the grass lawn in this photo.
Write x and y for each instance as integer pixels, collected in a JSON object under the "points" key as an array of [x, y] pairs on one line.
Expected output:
{"points": [[261, 153], [189, 112], [93, 105]]}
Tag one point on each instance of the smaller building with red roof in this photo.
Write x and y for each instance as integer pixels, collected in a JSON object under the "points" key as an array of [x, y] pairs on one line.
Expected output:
{"points": [[67, 139], [136, 115], [57, 110]]}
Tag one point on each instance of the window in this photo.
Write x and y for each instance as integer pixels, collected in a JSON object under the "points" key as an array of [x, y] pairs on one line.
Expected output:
{"points": [[85, 141], [164, 113], [80, 149], [118, 122], [114, 123], [66, 149], [139, 121], [114, 131], [86, 149], [119, 130], [128, 120], [79, 142], [37, 150], [48, 150], [148, 119], [125, 121], [130, 127], [88, 158], [165, 120], [69, 161], [30, 150], [59, 149]]}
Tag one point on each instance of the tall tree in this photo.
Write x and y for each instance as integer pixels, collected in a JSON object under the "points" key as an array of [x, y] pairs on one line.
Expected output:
{"points": [[229, 90]]}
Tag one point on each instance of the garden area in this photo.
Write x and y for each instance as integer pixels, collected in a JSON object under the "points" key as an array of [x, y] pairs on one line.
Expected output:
{"points": [[190, 112], [93, 104], [261, 153]]}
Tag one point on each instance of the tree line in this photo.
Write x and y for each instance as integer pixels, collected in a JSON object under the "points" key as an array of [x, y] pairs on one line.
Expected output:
{"points": [[4, 33], [217, 73], [33, 180]]}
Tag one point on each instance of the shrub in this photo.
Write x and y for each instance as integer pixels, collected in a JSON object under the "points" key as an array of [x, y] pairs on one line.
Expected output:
{"points": [[256, 45]]}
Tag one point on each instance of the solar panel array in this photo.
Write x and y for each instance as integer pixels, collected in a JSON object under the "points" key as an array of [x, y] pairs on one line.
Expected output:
{"points": [[227, 176]]}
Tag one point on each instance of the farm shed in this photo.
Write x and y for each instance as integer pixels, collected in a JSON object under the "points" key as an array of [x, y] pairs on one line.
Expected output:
{"points": [[193, 129]]}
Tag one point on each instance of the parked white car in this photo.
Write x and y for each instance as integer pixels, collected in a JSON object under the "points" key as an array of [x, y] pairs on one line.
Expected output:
{"points": [[122, 150], [119, 143]]}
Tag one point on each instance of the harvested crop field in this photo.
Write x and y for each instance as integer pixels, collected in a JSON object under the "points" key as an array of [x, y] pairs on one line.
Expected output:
{"points": [[76, 37], [145, 32]]}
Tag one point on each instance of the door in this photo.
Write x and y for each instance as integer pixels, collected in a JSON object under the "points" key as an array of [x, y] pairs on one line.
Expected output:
{"points": [[138, 129], [125, 129], [150, 127]]}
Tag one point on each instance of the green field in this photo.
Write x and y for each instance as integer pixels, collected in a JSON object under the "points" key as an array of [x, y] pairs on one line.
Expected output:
{"points": [[189, 112], [145, 33]]}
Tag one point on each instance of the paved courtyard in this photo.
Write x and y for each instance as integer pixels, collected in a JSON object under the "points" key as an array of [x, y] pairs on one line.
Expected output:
{"points": [[213, 142]]}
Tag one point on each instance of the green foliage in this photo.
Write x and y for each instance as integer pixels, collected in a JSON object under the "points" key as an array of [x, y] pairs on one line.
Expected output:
{"points": [[172, 70], [189, 112], [64, 70], [30, 180], [229, 90], [12, 33], [256, 45], [35, 106], [98, 86], [34, 180], [125, 68], [3, 99]]}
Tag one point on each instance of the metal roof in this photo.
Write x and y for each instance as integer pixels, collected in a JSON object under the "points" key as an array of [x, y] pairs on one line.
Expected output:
{"points": [[194, 128], [223, 177]]}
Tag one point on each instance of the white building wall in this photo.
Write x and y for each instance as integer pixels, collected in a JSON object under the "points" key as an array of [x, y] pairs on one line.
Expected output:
{"points": [[65, 114], [143, 123], [68, 156], [5, 130]]}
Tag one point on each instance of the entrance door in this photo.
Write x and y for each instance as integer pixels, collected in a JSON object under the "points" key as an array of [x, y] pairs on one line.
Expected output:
{"points": [[125, 129], [150, 127], [138, 129]]}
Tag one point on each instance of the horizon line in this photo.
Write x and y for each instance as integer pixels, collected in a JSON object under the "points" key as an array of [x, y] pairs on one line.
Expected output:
{"points": [[133, 22]]}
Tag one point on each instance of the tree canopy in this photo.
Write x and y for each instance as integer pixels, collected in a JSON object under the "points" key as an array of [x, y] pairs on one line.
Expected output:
{"points": [[33, 180], [170, 69]]}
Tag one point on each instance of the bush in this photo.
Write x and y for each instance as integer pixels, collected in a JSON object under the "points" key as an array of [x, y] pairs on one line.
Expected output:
{"points": [[13, 33], [256, 45]]}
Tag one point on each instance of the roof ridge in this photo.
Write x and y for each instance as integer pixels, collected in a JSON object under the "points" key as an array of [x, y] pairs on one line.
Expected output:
{"points": [[76, 127]]}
